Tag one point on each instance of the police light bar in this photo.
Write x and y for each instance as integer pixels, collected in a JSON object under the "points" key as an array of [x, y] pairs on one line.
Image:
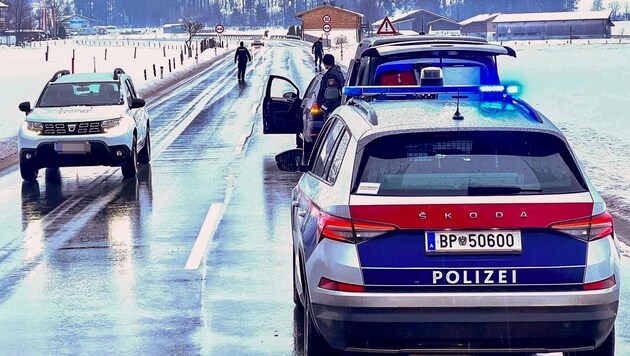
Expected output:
{"points": [[415, 90]]}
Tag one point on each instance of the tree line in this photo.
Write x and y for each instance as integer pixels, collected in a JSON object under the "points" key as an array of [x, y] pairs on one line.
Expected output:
{"points": [[261, 13]]}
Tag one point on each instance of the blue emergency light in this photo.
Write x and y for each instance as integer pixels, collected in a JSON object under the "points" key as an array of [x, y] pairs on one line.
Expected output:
{"points": [[351, 91]]}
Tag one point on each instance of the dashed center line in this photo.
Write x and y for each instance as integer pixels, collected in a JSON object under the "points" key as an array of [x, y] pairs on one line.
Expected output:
{"points": [[206, 233]]}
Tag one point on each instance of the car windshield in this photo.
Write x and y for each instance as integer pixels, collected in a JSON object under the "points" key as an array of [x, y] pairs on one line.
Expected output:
{"points": [[470, 163], [80, 94]]}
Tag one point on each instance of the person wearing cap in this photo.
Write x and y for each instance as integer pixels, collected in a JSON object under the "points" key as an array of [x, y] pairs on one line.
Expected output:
{"points": [[332, 78], [242, 56], [318, 51]]}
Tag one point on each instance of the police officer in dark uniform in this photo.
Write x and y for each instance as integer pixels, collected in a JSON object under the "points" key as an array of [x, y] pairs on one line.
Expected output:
{"points": [[332, 78], [242, 56], [318, 51]]}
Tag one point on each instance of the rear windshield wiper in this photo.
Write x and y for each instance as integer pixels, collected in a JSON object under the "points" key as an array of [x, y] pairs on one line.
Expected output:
{"points": [[500, 190]]}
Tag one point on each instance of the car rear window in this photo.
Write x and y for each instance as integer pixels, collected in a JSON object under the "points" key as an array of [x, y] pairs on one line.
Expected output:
{"points": [[467, 163]]}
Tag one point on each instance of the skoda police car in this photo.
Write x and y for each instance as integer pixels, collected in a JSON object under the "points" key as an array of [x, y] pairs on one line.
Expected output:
{"points": [[439, 219], [86, 119]]}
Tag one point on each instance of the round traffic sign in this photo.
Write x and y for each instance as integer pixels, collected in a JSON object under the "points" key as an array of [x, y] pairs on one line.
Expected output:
{"points": [[327, 28], [219, 28], [326, 18]]}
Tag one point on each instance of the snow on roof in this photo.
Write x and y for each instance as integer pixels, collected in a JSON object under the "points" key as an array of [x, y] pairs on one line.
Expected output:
{"points": [[443, 19], [300, 14], [76, 15], [479, 18], [553, 16], [406, 16], [3, 5]]}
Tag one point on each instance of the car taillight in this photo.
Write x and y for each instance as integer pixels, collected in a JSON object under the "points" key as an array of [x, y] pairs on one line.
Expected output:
{"points": [[326, 283], [589, 229], [315, 109], [347, 230], [605, 284]]}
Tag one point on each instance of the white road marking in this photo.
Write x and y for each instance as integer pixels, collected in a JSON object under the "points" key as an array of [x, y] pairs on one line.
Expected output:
{"points": [[205, 235]]}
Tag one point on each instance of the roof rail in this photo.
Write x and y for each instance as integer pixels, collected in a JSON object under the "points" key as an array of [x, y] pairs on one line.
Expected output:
{"points": [[117, 73], [533, 112], [59, 73], [366, 108]]}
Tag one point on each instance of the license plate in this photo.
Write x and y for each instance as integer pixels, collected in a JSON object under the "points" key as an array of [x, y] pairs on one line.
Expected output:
{"points": [[72, 147], [478, 241]]}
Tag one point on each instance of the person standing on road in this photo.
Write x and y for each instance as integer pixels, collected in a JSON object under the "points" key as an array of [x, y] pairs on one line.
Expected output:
{"points": [[333, 78], [318, 51], [241, 57]]}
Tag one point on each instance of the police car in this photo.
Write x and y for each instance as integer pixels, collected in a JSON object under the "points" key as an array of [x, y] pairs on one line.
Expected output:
{"points": [[86, 119], [449, 219]]}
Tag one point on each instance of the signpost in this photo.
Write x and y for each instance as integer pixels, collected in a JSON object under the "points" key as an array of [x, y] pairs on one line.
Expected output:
{"points": [[326, 28], [219, 29], [326, 18], [386, 28]]}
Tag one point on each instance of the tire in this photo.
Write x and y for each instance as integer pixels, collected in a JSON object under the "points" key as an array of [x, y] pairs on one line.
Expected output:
{"points": [[296, 296], [605, 349], [28, 174], [314, 343], [130, 167], [144, 156]]}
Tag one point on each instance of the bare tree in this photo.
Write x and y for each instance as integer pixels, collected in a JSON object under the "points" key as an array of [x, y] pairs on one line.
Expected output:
{"points": [[598, 5], [19, 16], [614, 8], [626, 11], [192, 28]]}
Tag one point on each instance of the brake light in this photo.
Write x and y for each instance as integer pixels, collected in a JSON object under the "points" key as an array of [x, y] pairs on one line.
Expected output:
{"points": [[315, 109], [326, 283], [347, 230], [604, 284], [590, 229]]}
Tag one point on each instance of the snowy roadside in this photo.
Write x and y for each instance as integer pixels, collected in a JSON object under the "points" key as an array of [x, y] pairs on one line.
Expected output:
{"points": [[29, 72]]}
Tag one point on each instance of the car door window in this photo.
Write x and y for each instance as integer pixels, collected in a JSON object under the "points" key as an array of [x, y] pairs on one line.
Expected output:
{"points": [[130, 93], [326, 146], [340, 152]]}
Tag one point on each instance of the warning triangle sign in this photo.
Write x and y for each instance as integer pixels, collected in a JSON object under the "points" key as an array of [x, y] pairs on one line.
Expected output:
{"points": [[386, 28]]}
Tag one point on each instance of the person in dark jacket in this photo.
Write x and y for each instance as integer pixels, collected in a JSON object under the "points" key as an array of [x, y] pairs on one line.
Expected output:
{"points": [[318, 51], [242, 56], [332, 78]]}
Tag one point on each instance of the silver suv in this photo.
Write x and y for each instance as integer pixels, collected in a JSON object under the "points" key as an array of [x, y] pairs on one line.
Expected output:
{"points": [[86, 119], [449, 219]]}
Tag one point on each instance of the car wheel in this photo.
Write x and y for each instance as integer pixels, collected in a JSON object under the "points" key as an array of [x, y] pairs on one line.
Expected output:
{"points": [[314, 343], [130, 166], [296, 296], [144, 156], [605, 349], [27, 172]]}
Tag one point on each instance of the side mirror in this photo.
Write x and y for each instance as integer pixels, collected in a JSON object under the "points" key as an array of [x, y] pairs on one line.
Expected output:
{"points": [[290, 161], [289, 95], [25, 107], [137, 103], [332, 94]]}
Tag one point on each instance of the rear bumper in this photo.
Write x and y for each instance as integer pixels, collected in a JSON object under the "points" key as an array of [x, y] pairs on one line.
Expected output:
{"points": [[444, 330]]}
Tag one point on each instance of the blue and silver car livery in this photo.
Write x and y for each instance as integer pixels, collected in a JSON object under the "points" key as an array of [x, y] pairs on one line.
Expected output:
{"points": [[450, 220]]}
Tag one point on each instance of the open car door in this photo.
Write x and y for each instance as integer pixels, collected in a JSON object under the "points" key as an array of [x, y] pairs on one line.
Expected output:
{"points": [[281, 108]]}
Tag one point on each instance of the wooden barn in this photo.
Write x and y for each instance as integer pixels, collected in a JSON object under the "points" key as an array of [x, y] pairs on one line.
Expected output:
{"points": [[553, 25], [420, 21], [480, 26]]}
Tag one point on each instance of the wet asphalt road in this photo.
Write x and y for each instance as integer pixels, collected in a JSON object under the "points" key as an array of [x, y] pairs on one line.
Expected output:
{"points": [[92, 263]]}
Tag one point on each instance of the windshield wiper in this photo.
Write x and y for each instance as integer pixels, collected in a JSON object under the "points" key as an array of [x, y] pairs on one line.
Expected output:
{"points": [[500, 190]]}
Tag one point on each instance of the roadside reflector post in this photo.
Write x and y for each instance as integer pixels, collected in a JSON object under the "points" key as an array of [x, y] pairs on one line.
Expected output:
{"points": [[135, 51], [169, 65], [196, 59], [161, 72], [164, 51], [94, 60], [72, 65], [173, 62], [105, 53], [145, 74], [154, 72]]}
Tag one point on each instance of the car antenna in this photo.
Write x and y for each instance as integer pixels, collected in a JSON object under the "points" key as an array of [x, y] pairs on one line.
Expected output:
{"points": [[457, 115]]}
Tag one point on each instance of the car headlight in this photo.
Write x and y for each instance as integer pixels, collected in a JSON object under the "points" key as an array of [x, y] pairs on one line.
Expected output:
{"points": [[34, 126], [110, 124]]}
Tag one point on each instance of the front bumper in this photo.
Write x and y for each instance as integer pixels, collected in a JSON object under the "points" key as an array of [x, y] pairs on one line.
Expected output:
{"points": [[456, 330], [100, 154]]}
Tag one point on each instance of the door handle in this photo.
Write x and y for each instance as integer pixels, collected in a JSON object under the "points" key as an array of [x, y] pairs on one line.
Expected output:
{"points": [[301, 213]]}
